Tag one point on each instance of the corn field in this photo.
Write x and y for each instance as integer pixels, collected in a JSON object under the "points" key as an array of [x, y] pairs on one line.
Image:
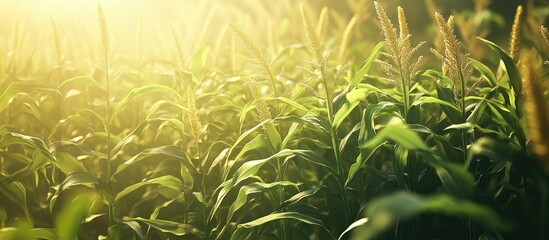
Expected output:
{"points": [[245, 119]]}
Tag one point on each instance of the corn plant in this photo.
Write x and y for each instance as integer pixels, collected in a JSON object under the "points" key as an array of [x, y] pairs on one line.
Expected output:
{"points": [[195, 136]]}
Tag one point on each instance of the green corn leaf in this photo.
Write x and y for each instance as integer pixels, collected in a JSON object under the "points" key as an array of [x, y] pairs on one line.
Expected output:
{"points": [[512, 120], [34, 163], [242, 234], [128, 138], [369, 115], [179, 229], [3, 217], [44, 233], [247, 133], [136, 228], [456, 179], [352, 99], [297, 106], [438, 76], [174, 123], [365, 67], [17, 88], [77, 179], [68, 163], [164, 151], [238, 141], [168, 181], [347, 138], [485, 71], [292, 131], [80, 118], [513, 74], [114, 232], [253, 188], [355, 224], [199, 61], [16, 193], [250, 106], [317, 159], [445, 148], [247, 170], [427, 99], [165, 204], [187, 177], [273, 135], [400, 134], [138, 92], [23, 232], [361, 159], [79, 81], [69, 220], [512, 71], [279, 216], [447, 95], [479, 109], [29, 141], [494, 149], [256, 143], [220, 157], [388, 210], [299, 196], [161, 104]]}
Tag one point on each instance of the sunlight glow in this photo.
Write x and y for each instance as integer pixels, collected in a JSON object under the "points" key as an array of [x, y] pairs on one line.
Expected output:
{"points": [[132, 24]]}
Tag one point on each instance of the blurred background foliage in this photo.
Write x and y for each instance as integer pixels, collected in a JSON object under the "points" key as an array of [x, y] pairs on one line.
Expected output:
{"points": [[151, 131], [141, 29]]}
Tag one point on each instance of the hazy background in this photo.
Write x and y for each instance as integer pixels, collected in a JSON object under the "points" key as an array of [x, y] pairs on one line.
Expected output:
{"points": [[142, 29]]}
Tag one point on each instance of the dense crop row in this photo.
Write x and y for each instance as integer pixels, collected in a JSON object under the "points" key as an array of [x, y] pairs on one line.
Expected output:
{"points": [[295, 144]]}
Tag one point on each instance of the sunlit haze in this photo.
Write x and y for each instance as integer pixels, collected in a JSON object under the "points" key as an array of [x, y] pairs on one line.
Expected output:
{"points": [[137, 27]]}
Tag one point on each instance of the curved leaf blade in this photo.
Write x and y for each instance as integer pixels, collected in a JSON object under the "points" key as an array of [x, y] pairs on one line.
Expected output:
{"points": [[179, 229]]}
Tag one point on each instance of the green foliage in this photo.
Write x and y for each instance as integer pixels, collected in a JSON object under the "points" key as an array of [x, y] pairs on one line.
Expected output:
{"points": [[402, 206], [203, 147], [69, 219]]}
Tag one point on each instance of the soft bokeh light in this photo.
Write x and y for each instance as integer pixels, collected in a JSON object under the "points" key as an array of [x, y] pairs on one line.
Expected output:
{"points": [[142, 29], [277, 119], [137, 27]]}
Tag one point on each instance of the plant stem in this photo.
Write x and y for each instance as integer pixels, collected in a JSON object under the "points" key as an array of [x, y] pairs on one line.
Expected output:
{"points": [[204, 193], [277, 104], [280, 177], [335, 144], [335, 147], [273, 84], [463, 117], [108, 119], [405, 93], [204, 214]]}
